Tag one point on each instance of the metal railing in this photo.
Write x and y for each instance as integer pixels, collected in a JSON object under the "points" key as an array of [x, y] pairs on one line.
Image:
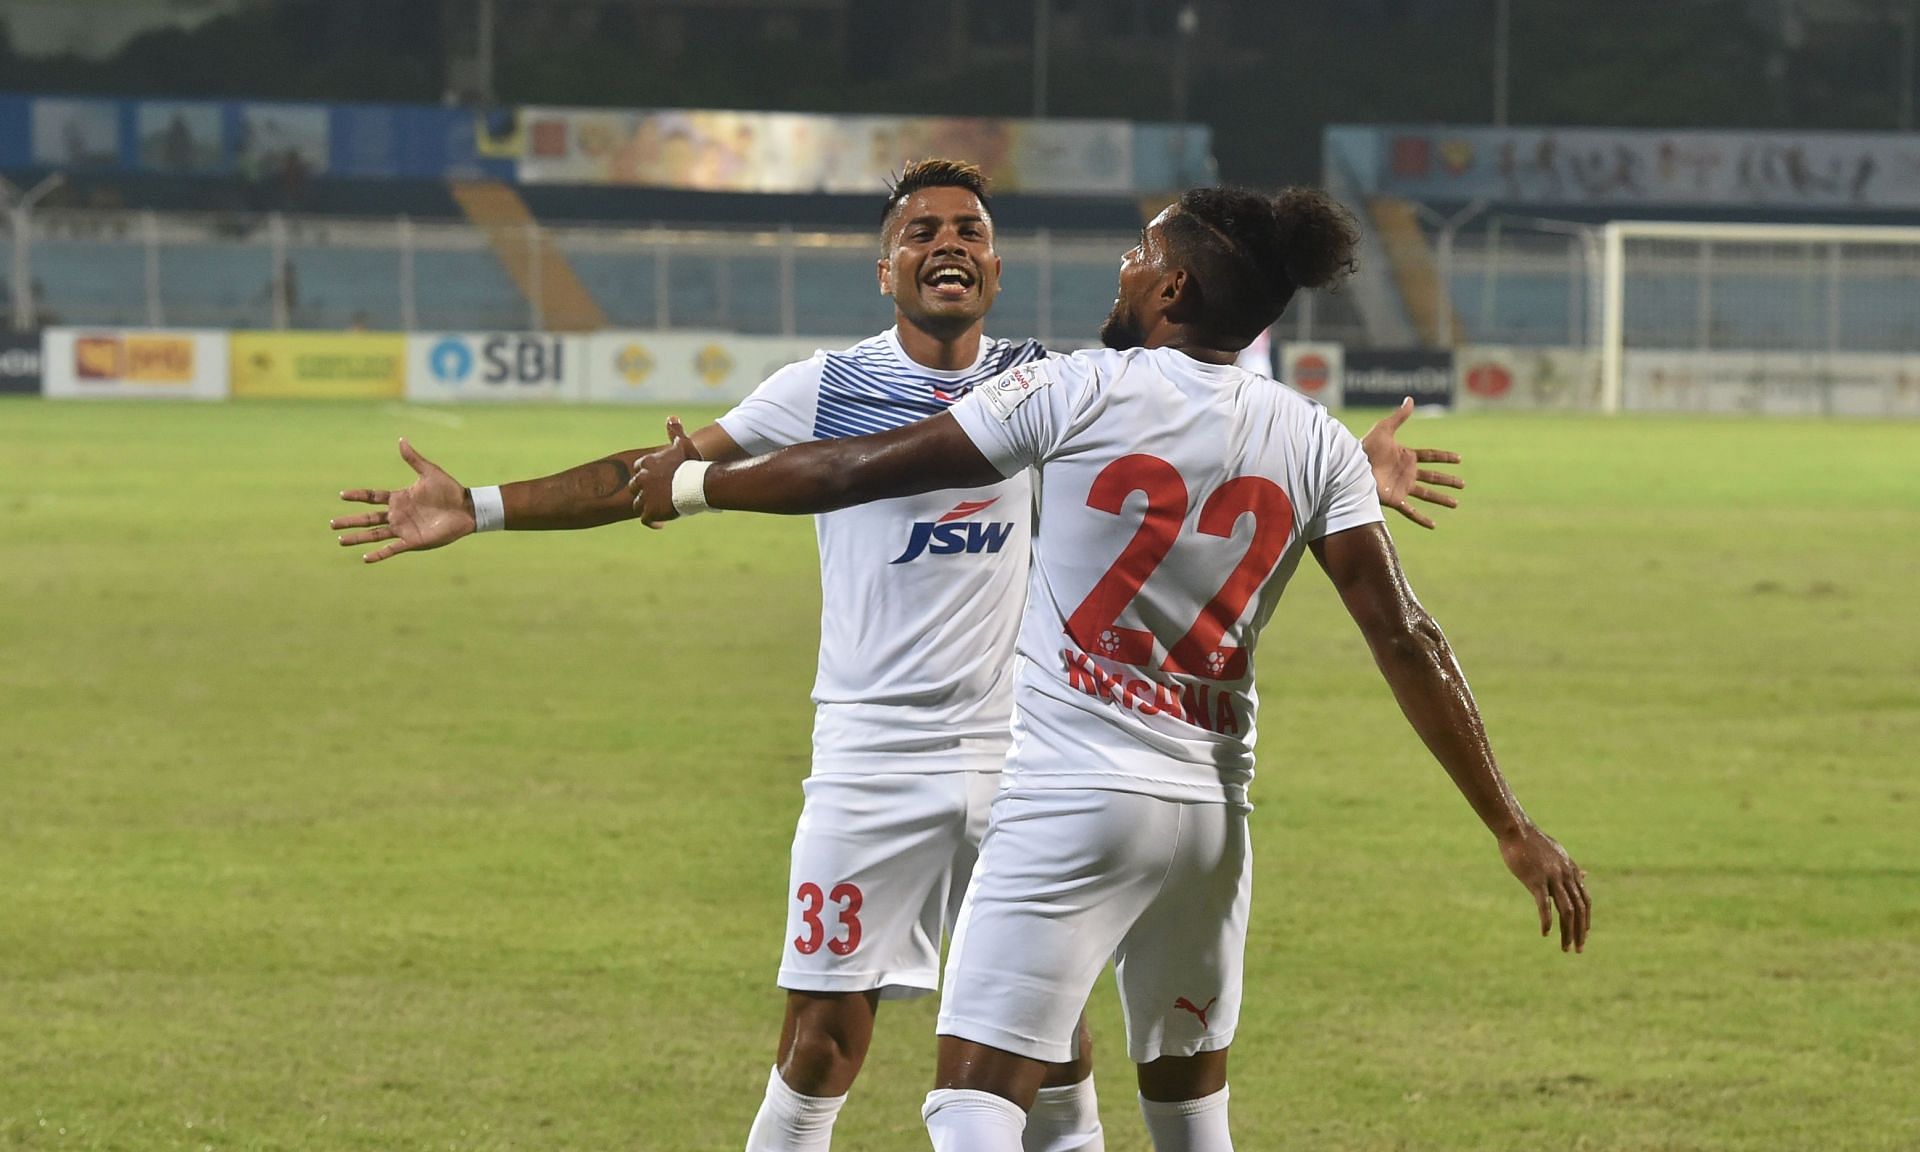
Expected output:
{"points": [[93, 267]]}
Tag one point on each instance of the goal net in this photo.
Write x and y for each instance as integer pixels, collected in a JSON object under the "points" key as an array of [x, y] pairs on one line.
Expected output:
{"points": [[1805, 319]]}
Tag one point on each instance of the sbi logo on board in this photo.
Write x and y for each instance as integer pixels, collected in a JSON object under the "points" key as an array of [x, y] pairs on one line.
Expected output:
{"points": [[451, 361], [501, 360]]}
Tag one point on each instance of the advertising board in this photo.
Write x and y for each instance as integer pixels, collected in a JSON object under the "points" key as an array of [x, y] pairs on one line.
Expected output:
{"points": [[691, 367], [311, 366], [730, 151], [1382, 379], [20, 362], [463, 367], [1494, 376], [134, 362], [1771, 383], [261, 139], [1315, 370], [1630, 166]]}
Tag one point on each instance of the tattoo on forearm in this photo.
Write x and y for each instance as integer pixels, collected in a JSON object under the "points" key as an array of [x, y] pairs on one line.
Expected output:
{"points": [[615, 474]]}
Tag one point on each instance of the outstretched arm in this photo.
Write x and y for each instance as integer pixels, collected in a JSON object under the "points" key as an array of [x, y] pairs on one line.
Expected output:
{"points": [[1397, 474], [595, 493], [936, 453], [436, 510], [926, 456], [1413, 655]]}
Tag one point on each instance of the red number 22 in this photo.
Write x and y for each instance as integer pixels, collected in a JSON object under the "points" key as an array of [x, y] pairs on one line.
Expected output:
{"points": [[1094, 625]]}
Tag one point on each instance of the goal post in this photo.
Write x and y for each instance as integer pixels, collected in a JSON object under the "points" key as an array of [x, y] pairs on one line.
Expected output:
{"points": [[1791, 318]]}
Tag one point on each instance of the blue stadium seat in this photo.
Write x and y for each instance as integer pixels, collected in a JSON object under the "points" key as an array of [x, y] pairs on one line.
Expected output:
{"points": [[342, 288], [466, 290], [229, 283], [836, 295], [216, 285], [622, 284], [88, 282]]}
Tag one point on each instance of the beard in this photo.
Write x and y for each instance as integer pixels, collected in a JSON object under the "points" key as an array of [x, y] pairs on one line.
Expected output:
{"points": [[1120, 331], [943, 325]]}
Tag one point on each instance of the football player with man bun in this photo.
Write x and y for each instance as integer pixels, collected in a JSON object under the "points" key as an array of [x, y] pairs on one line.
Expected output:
{"points": [[1177, 493], [920, 607]]}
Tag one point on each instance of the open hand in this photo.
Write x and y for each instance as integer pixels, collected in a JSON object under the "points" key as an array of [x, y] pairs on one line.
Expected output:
{"points": [[1397, 472], [652, 483], [432, 512], [1557, 883]]}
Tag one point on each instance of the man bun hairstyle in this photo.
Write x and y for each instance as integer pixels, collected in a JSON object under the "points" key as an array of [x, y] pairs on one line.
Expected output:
{"points": [[1250, 252], [933, 172]]}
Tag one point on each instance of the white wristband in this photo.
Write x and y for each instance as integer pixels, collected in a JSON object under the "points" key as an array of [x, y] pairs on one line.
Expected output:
{"points": [[690, 487], [489, 510]]}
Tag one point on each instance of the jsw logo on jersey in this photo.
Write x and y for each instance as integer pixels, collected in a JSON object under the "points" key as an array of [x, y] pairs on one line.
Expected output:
{"points": [[954, 534]]}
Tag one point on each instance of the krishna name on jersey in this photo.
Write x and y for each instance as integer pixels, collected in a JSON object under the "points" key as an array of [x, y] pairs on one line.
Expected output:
{"points": [[920, 597], [1176, 498]]}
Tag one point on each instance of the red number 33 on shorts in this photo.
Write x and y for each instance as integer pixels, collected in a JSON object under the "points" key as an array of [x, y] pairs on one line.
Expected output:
{"points": [[812, 901]]}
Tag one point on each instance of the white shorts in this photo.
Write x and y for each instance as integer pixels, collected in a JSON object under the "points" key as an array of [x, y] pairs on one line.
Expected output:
{"points": [[880, 861], [1070, 877]]}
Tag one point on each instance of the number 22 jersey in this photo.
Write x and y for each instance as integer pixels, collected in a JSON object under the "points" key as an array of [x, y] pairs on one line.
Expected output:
{"points": [[1175, 500]]}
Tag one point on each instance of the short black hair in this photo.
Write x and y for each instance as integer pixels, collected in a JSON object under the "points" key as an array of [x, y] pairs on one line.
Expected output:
{"points": [[933, 172], [1250, 251]]}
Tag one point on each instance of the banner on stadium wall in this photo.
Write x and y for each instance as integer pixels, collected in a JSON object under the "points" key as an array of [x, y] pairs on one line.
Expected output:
{"points": [[1383, 379], [317, 366], [690, 367], [713, 151], [257, 139], [662, 148], [1493, 376], [1315, 370], [1771, 383], [1594, 166], [464, 367], [20, 363], [145, 362], [75, 134]]}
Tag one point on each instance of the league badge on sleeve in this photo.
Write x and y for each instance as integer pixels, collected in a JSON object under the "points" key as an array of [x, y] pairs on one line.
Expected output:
{"points": [[1015, 387]]}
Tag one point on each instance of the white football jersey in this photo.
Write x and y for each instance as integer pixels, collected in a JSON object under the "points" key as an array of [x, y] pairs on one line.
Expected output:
{"points": [[920, 597], [1176, 498]]}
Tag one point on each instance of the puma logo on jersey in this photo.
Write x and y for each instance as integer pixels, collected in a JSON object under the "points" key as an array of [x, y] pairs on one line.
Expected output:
{"points": [[948, 536], [1201, 1012]]}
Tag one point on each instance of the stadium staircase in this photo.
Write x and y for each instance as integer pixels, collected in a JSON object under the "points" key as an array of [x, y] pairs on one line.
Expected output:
{"points": [[1397, 224], [540, 270]]}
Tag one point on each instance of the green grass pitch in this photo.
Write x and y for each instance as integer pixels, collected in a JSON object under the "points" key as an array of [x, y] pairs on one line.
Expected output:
{"points": [[486, 849]]}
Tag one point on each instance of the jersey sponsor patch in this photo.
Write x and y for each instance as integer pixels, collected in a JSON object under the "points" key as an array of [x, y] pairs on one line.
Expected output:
{"points": [[944, 537], [1015, 388]]}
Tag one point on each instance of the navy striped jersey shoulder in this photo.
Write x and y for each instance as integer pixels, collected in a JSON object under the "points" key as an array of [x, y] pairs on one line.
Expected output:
{"points": [[869, 388]]}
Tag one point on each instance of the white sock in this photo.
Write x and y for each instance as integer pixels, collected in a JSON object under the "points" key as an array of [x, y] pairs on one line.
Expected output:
{"points": [[790, 1122], [1065, 1119], [1188, 1125], [961, 1120]]}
